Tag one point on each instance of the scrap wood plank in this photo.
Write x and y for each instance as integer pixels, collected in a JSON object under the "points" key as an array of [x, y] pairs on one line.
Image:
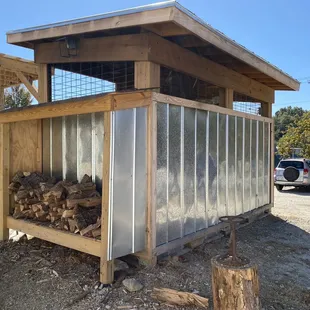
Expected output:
{"points": [[179, 298]]}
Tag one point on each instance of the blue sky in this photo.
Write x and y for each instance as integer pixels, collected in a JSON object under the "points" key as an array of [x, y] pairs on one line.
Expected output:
{"points": [[277, 30]]}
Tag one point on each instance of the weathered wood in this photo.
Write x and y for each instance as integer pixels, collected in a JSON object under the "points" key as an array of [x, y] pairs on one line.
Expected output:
{"points": [[28, 85], [164, 53], [84, 202], [235, 287], [266, 110], [76, 242], [147, 75], [84, 105], [178, 298], [226, 98], [90, 228], [106, 265], [125, 48]]}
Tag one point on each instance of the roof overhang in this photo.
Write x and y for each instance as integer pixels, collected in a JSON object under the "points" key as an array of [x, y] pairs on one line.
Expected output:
{"points": [[14, 71], [173, 22]]}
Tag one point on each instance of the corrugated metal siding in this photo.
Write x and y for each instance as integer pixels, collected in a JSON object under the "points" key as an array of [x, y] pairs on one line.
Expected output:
{"points": [[208, 165]]}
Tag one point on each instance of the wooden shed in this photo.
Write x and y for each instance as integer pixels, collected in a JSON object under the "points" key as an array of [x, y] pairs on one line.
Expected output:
{"points": [[172, 119]]}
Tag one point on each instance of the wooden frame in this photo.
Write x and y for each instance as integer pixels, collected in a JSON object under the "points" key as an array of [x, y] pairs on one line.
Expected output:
{"points": [[149, 49], [168, 20], [22, 124]]}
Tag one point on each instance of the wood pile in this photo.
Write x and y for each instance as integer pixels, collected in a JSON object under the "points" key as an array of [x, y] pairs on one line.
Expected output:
{"points": [[66, 205]]}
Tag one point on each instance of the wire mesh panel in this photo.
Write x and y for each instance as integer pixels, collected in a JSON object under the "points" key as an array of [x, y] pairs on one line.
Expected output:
{"points": [[246, 104], [73, 80], [208, 165]]}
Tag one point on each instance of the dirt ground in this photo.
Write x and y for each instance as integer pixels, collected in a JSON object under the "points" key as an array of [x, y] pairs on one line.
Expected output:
{"points": [[37, 275]]}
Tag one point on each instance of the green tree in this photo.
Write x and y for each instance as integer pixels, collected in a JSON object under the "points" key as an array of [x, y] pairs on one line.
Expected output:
{"points": [[285, 118], [297, 136], [16, 97]]}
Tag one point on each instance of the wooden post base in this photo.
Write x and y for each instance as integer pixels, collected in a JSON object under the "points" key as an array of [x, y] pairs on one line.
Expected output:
{"points": [[235, 288]]}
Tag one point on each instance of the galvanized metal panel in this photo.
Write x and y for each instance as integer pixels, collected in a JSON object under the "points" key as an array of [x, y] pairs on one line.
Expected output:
{"points": [[69, 133], [122, 183], [201, 147], [260, 172], [98, 136], [239, 167], [189, 170], [84, 145], [162, 174], [222, 207], [247, 166], [231, 171], [253, 164], [140, 190], [56, 147], [212, 170], [267, 163], [175, 212]]}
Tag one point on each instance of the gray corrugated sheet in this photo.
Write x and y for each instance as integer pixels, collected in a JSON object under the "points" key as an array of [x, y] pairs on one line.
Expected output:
{"points": [[149, 7]]}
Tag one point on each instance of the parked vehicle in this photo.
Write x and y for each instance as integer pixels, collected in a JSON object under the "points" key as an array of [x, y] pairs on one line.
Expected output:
{"points": [[292, 172]]}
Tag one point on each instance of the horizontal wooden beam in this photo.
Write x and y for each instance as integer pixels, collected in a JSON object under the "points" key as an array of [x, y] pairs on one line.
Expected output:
{"points": [[206, 107], [168, 54], [13, 64], [84, 105], [116, 48], [114, 22], [231, 47], [167, 29], [69, 240]]}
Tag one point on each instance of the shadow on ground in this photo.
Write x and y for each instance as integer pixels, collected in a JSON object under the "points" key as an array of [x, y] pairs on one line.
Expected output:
{"points": [[38, 275]]}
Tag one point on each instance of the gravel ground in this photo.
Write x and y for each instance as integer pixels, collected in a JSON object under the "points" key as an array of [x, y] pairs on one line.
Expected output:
{"points": [[37, 275]]}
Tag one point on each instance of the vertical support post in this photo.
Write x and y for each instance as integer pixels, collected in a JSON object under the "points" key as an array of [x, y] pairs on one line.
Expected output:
{"points": [[106, 266], [226, 98], [147, 75], [271, 162], [4, 173], [266, 109], [43, 91]]}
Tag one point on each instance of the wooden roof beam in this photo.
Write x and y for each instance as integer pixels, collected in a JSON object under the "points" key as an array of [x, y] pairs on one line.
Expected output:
{"points": [[14, 63], [171, 55]]}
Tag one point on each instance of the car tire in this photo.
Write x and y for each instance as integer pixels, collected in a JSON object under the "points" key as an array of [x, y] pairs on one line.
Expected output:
{"points": [[279, 187]]}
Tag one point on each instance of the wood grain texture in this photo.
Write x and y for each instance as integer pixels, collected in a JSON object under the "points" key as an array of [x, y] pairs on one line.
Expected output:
{"points": [[235, 287], [24, 146], [121, 48], [173, 56], [106, 265], [69, 240], [84, 105], [147, 75], [4, 179]]}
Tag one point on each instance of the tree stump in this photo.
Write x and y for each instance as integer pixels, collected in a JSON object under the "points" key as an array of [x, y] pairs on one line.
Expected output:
{"points": [[234, 287]]}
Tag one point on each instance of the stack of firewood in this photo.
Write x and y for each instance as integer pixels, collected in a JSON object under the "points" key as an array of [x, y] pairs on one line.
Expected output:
{"points": [[67, 205]]}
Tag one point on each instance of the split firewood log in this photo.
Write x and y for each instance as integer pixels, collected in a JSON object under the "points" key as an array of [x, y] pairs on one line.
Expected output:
{"points": [[57, 191], [96, 232], [86, 179], [91, 227], [85, 202], [179, 298], [72, 225], [76, 188], [69, 213], [80, 221]]}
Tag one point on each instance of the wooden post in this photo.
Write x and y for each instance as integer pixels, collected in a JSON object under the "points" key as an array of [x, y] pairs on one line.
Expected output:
{"points": [[226, 98], [4, 173], [266, 109], [106, 266], [235, 287], [147, 75]]}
